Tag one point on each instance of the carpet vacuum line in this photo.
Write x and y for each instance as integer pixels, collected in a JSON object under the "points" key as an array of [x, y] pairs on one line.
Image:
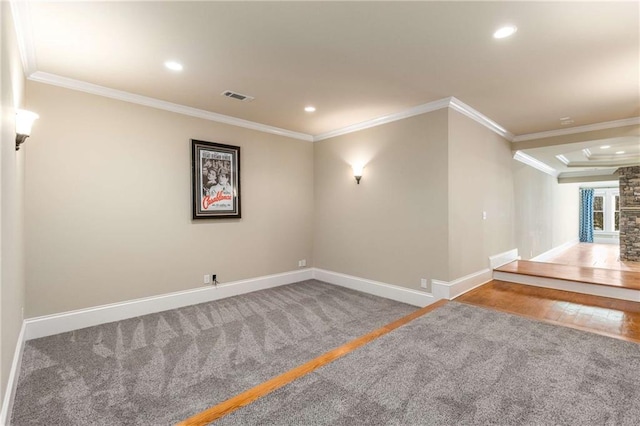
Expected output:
{"points": [[248, 396]]}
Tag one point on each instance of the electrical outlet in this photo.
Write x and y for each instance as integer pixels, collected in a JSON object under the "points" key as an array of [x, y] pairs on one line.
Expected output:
{"points": [[423, 282], [302, 263], [206, 279]]}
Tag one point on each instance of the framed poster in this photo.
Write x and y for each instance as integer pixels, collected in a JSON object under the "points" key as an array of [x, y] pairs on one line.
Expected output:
{"points": [[215, 180]]}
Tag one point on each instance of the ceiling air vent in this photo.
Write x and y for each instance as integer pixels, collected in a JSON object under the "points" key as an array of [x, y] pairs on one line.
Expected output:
{"points": [[238, 96]]}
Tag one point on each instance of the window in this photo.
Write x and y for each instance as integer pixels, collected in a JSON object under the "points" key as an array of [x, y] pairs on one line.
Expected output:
{"points": [[606, 210], [598, 213]]}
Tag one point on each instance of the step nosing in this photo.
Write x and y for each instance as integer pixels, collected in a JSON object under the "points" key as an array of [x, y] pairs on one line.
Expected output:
{"points": [[612, 278], [560, 278]]}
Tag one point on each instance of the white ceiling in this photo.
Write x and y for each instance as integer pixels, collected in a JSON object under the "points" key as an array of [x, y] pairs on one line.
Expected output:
{"points": [[354, 61], [599, 155]]}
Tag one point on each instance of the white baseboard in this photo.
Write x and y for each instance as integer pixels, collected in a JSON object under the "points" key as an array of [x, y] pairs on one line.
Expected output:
{"points": [[12, 382], [606, 239], [389, 291], [576, 287], [555, 251], [74, 320], [451, 289], [498, 260]]}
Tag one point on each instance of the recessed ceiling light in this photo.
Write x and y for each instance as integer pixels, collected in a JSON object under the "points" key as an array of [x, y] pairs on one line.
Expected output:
{"points": [[173, 65], [605, 146], [505, 31], [619, 152], [309, 108]]}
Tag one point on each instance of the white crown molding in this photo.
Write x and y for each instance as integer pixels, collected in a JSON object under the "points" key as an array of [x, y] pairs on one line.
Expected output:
{"points": [[589, 179], [420, 109], [536, 164], [24, 35], [477, 116], [94, 89], [579, 129], [69, 83], [627, 162], [591, 172], [450, 102]]}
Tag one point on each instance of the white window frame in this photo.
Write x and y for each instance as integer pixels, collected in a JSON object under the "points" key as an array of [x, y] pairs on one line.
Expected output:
{"points": [[608, 205]]}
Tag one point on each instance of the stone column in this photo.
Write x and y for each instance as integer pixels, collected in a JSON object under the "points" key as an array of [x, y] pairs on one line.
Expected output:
{"points": [[629, 213]]}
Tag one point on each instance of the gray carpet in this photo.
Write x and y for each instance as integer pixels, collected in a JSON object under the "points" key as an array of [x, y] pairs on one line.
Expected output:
{"points": [[162, 368], [464, 365]]}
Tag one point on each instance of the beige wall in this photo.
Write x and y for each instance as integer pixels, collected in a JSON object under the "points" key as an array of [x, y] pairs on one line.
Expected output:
{"points": [[479, 181], [418, 212], [12, 281], [546, 211], [393, 226], [108, 203]]}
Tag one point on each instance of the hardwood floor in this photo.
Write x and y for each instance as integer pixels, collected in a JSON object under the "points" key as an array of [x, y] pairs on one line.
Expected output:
{"points": [[611, 317], [600, 276], [594, 256]]}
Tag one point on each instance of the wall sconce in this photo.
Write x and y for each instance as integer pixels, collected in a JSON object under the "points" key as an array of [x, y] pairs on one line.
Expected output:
{"points": [[357, 172], [24, 121]]}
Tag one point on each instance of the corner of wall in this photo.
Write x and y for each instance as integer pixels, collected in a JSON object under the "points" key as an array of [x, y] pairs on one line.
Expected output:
{"points": [[12, 282]]}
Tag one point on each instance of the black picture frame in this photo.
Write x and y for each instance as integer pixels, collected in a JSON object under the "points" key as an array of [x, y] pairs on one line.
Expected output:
{"points": [[215, 180]]}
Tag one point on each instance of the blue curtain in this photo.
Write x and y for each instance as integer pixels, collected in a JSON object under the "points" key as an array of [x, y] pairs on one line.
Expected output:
{"points": [[586, 215]]}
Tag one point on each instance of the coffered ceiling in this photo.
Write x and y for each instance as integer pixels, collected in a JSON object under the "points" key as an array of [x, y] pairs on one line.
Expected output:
{"points": [[576, 63]]}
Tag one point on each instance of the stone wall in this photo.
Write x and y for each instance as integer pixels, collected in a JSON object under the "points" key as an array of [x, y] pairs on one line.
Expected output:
{"points": [[629, 213]]}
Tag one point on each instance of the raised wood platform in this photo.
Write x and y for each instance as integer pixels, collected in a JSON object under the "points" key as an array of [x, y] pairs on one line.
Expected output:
{"points": [[587, 268], [600, 276], [619, 284], [593, 255]]}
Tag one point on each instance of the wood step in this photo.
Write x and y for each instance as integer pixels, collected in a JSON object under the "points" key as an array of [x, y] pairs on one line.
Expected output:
{"points": [[618, 284], [599, 276]]}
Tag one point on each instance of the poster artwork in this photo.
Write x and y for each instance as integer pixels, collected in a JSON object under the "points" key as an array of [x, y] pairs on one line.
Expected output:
{"points": [[215, 180], [217, 192]]}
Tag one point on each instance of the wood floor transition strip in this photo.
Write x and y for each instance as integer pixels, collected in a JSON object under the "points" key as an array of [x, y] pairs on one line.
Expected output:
{"points": [[247, 397]]}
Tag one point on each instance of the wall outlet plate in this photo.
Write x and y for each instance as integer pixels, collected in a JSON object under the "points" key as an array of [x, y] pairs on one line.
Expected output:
{"points": [[423, 282], [206, 279]]}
